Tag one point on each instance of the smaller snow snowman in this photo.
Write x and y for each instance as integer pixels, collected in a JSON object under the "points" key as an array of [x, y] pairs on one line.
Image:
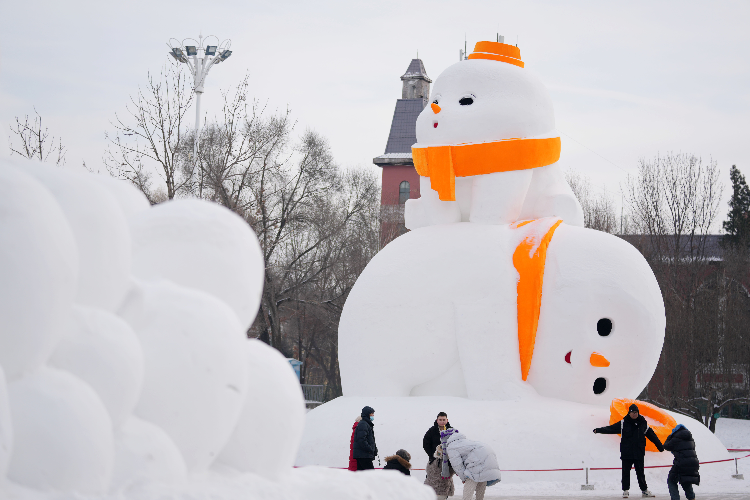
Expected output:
{"points": [[487, 149]]}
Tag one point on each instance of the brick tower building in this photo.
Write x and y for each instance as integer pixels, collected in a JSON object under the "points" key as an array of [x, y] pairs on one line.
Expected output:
{"points": [[400, 180]]}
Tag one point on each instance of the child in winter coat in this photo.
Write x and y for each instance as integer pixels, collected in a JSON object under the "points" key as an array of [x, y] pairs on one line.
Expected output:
{"points": [[399, 462], [443, 486], [474, 462], [685, 465]]}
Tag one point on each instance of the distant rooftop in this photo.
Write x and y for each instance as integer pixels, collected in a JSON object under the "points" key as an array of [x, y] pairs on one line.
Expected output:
{"points": [[404, 126], [414, 97], [416, 70]]}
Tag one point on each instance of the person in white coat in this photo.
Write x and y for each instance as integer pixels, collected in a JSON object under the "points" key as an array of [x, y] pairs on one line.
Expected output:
{"points": [[475, 463]]}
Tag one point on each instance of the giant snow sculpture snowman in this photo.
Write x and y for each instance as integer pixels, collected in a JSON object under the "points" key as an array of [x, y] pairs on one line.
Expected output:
{"points": [[503, 312], [487, 147]]}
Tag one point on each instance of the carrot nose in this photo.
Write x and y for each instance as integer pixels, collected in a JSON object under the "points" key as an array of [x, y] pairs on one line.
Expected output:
{"points": [[435, 108], [598, 360]]}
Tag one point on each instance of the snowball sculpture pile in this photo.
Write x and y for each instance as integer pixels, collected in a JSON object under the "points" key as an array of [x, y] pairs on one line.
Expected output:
{"points": [[498, 308], [123, 353]]}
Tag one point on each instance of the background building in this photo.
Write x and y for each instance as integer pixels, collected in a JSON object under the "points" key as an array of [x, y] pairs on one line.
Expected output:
{"points": [[400, 180]]}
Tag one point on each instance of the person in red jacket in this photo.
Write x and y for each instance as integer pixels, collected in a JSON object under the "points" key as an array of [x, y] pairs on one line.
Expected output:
{"points": [[352, 460]]}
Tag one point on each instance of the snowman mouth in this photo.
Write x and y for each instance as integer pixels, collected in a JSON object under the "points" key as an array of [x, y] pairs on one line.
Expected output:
{"points": [[567, 357], [434, 125]]}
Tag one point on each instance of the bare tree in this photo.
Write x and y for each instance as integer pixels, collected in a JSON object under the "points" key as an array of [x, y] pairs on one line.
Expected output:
{"points": [[303, 216], [598, 208], [318, 225], [316, 304], [35, 141], [673, 202], [147, 142]]}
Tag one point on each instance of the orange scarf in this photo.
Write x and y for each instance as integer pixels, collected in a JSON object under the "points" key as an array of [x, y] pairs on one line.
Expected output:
{"points": [[442, 164]]}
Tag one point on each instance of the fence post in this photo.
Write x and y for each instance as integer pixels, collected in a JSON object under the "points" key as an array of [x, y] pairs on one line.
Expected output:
{"points": [[587, 486], [737, 474]]}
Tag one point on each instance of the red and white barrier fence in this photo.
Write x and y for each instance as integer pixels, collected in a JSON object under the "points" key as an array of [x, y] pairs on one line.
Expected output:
{"points": [[611, 468]]}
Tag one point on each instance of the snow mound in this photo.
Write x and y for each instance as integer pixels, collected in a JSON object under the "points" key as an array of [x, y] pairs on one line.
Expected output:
{"points": [[125, 371], [103, 351], [196, 378], [101, 233], [262, 443], [39, 270], [62, 433], [170, 237], [144, 453]]}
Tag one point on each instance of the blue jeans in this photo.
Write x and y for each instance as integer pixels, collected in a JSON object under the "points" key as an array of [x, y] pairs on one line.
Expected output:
{"points": [[674, 492]]}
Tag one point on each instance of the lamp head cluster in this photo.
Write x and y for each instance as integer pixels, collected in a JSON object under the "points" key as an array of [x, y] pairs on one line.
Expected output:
{"points": [[216, 53]]}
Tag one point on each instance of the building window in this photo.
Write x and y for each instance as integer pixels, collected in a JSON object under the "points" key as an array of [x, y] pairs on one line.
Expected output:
{"points": [[403, 192]]}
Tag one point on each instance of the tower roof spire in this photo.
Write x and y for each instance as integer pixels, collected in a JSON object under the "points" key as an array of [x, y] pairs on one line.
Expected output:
{"points": [[416, 71]]}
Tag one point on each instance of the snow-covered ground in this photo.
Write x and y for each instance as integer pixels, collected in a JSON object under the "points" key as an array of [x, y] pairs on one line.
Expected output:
{"points": [[309, 483], [734, 433]]}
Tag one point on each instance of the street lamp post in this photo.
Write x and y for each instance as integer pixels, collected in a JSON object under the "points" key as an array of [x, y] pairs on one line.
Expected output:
{"points": [[200, 59]]}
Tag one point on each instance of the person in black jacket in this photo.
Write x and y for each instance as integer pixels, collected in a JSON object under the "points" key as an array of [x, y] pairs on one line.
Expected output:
{"points": [[364, 449], [685, 465], [431, 438], [399, 462], [634, 430]]}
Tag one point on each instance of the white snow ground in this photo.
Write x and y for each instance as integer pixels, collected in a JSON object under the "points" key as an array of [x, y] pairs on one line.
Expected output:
{"points": [[734, 433]]}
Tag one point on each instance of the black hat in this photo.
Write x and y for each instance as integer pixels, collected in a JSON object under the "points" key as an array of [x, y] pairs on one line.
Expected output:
{"points": [[366, 411], [634, 408], [404, 454]]}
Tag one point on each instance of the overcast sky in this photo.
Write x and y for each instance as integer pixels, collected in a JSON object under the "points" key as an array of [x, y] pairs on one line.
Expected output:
{"points": [[628, 79]]}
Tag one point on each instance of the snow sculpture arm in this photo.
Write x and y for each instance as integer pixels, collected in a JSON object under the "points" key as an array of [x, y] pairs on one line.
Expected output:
{"points": [[429, 210], [549, 195]]}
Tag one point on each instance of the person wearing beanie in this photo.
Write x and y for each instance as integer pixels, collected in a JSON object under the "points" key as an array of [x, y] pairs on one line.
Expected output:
{"points": [[634, 431], [364, 448], [399, 462], [475, 463], [443, 486], [685, 465], [431, 438]]}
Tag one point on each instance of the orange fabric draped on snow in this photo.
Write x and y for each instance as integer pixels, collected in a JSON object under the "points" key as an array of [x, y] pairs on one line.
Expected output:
{"points": [[661, 422]]}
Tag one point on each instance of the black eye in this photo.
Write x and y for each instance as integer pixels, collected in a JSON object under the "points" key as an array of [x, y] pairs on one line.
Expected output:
{"points": [[600, 385], [435, 101], [604, 327], [465, 101]]}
